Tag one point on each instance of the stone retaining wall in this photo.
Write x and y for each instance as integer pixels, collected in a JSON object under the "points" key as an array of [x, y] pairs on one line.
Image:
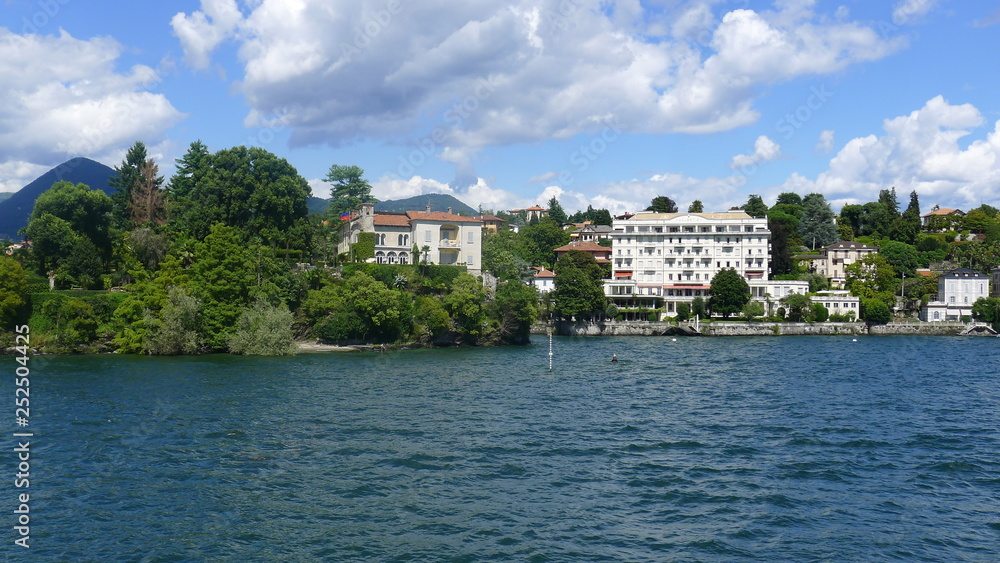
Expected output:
{"points": [[638, 328]]}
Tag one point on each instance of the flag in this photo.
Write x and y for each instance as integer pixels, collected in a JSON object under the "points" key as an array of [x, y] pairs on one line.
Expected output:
{"points": [[345, 216]]}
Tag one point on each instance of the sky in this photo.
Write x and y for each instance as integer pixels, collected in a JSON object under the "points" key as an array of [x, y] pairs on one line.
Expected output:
{"points": [[505, 104]]}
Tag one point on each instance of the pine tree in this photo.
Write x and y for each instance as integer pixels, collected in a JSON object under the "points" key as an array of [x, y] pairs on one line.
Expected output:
{"points": [[146, 204], [129, 173]]}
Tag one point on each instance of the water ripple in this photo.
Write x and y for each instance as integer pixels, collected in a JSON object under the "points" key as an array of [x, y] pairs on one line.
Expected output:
{"points": [[699, 449]]}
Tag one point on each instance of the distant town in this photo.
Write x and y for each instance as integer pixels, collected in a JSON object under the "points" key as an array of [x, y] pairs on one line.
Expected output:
{"points": [[233, 254]]}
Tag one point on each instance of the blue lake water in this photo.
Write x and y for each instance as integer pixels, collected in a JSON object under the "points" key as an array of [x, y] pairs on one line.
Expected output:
{"points": [[713, 449]]}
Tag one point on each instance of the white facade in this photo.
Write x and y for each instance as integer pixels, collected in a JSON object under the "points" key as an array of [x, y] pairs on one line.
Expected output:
{"points": [[957, 291], [836, 257], [441, 238], [544, 280], [839, 302], [662, 259]]}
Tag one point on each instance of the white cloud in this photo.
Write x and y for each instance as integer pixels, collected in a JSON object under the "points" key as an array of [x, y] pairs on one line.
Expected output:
{"points": [[489, 72], [920, 151], [63, 97], [764, 150], [387, 188], [825, 142], [203, 31], [16, 174], [717, 194], [910, 11]]}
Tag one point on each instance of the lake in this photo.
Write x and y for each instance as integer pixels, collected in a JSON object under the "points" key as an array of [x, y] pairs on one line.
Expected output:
{"points": [[713, 449]]}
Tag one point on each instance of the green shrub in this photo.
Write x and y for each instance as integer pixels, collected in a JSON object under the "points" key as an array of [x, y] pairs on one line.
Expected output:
{"points": [[263, 330], [176, 330]]}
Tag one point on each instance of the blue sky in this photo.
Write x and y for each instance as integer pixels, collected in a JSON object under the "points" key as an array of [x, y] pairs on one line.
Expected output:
{"points": [[506, 104]]}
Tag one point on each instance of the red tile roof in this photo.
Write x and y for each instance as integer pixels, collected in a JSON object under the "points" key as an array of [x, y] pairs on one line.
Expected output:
{"points": [[392, 220], [585, 247], [942, 211], [440, 216]]}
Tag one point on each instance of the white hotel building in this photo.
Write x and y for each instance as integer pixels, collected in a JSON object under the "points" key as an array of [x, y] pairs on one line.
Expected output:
{"points": [[662, 259]]}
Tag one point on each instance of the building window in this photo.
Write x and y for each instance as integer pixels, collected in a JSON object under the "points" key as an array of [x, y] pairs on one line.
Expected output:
{"points": [[427, 236], [471, 237], [469, 260]]}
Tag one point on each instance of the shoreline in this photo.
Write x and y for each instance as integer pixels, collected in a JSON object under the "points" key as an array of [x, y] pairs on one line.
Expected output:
{"points": [[742, 328]]}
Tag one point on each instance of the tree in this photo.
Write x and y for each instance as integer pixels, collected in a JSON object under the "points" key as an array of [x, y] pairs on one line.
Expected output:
{"points": [[752, 310], [901, 256], [430, 319], [82, 264], [987, 310], [350, 189], [227, 275], [696, 207], [729, 292], [190, 169], [875, 311], [698, 307], [683, 311], [556, 211], [248, 188], [539, 241], [13, 290], [175, 330], [577, 294], [817, 225], [820, 313], [907, 228], [755, 206], [789, 198], [602, 217], [515, 307], [872, 277], [782, 227], [888, 198], [52, 239], [499, 255], [798, 307], [128, 176], [263, 330], [87, 212], [662, 204], [146, 204], [466, 306], [73, 322], [580, 260]]}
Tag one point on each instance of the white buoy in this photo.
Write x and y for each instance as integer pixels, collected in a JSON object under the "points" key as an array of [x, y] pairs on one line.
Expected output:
{"points": [[854, 340], [550, 349], [673, 340]]}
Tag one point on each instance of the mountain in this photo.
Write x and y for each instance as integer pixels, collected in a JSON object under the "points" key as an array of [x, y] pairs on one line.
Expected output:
{"points": [[15, 210], [317, 205], [438, 202]]}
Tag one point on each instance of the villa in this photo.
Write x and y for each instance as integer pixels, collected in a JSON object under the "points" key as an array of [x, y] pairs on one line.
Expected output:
{"points": [[957, 291], [442, 238]]}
